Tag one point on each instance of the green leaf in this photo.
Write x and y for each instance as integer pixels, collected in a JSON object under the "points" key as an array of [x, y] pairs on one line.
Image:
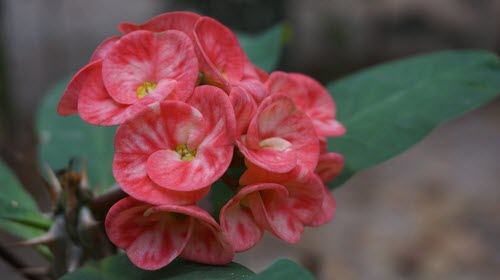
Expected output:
{"points": [[390, 107], [64, 138], [264, 49], [284, 269], [118, 267], [19, 214]]}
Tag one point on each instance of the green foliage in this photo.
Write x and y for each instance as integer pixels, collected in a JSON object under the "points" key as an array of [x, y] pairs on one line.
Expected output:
{"points": [[19, 214], [390, 107], [264, 49], [64, 138], [118, 267], [284, 269]]}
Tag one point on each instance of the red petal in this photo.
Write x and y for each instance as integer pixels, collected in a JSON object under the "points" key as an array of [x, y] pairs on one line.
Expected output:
{"points": [[271, 211], [330, 165], [144, 56], [182, 21], [244, 108], [238, 222], [310, 97], [327, 211], [221, 57], [130, 173], [207, 243], [278, 118], [69, 101], [218, 114], [104, 47], [151, 241]]}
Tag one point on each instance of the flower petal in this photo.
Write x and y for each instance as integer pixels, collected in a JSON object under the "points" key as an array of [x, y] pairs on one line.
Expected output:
{"points": [[103, 48], [277, 117], [310, 97], [68, 104], [327, 210], [130, 173], [218, 114], [330, 165], [182, 21], [151, 241], [237, 220], [244, 108], [143, 57], [207, 243], [221, 57]]}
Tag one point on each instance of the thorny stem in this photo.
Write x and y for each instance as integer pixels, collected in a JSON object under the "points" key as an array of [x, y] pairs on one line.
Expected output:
{"points": [[101, 204]]}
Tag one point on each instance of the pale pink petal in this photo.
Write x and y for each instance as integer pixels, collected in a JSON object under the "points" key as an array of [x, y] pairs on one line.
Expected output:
{"points": [[146, 57]]}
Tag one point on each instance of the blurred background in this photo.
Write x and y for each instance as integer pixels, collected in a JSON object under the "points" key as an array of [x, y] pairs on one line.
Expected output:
{"points": [[431, 213]]}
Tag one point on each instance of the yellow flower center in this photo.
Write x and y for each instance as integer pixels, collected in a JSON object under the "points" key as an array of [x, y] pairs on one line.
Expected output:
{"points": [[144, 89], [185, 153]]}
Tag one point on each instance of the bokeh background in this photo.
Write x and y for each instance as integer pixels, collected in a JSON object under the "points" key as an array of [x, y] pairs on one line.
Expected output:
{"points": [[430, 213]]}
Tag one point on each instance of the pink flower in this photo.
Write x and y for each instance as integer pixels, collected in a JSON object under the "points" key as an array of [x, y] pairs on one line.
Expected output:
{"points": [[310, 97], [154, 235], [280, 137], [176, 149], [138, 70], [281, 204]]}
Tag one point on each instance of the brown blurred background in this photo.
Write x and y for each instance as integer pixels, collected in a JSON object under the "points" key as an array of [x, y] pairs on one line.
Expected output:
{"points": [[431, 213]]}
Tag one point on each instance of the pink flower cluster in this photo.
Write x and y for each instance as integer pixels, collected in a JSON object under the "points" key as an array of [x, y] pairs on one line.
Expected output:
{"points": [[190, 105]]}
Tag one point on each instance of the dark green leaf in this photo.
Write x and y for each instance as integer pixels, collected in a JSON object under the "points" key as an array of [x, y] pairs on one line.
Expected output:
{"points": [[19, 214], [390, 107], [284, 269], [119, 268], [264, 49], [64, 138]]}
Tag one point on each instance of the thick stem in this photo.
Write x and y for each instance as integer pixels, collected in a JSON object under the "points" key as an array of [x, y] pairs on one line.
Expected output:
{"points": [[101, 204]]}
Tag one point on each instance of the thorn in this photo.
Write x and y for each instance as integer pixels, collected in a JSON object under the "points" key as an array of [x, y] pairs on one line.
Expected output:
{"points": [[53, 185], [86, 219], [74, 258]]}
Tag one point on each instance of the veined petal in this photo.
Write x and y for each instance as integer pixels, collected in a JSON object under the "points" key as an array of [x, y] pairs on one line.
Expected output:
{"points": [[142, 59], [221, 58], [151, 240]]}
